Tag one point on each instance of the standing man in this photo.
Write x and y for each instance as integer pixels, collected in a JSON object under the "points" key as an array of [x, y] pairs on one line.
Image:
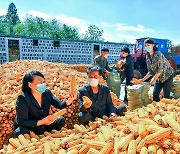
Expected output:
{"points": [[127, 65], [101, 61]]}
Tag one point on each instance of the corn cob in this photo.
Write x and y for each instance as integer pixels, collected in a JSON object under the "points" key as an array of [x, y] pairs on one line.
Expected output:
{"points": [[86, 99], [33, 135], [173, 115], [132, 147], [107, 149], [153, 128], [106, 131], [73, 83], [176, 147], [141, 144], [142, 129], [78, 128], [57, 114], [33, 140], [20, 152], [47, 148], [166, 143], [152, 149], [96, 144], [170, 151], [174, 135], [142, 113], [37, 151], [67, 139], [78, 147], [62, 151], [84, 149], [124, 142], [160, 151], [157, 135], [84, 128], [158, 119], [149, 122], [15, 143], [28, 138], [172, 122], [92, 151], [75, 142], [134, 129], [116, 141], [29, 149], [144, 150], [22, 140], [100, 137], [169, 101], [73, 151]]}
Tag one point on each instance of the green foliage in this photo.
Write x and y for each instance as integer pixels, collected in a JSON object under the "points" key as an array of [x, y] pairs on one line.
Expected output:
{"points": [[12, 17], [93, 34], [39, 27]]}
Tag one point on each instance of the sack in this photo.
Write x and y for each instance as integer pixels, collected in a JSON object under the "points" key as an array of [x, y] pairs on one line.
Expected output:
{"points": [[114, 82]]}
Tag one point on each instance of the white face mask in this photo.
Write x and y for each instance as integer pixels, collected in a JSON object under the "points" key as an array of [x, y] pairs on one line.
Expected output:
{"points": [[106, 56], [149, 48], [93, 82]]}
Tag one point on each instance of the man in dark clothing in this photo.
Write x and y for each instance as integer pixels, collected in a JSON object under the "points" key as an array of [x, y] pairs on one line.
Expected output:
{"points": [[101, 102], [128, 68], [101, 61]]}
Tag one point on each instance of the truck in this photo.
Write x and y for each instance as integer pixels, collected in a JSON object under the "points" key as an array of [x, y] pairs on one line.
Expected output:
{"points": [[164, 46]]}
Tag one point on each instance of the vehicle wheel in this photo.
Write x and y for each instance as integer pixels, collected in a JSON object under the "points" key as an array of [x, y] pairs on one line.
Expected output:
{"points": [[173, 64]]}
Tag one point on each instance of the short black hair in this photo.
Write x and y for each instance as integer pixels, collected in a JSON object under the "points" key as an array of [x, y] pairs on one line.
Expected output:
{"points": [[94, 68], [29, 77], [151, 41], [125, 49], [105, 50]]}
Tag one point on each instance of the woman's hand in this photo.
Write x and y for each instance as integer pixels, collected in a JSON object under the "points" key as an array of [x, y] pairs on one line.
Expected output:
{"points": [[45, 121], [72, 97]]}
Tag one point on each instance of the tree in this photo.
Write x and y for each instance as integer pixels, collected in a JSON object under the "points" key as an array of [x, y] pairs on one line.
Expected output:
{"points": [[69, 33], [93, 34], [12, 17]]}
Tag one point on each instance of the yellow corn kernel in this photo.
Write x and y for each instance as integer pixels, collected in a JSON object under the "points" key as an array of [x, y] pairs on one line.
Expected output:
{"points": [[152, 138], [84, 149], [106, 131], [142, 129], [57, 114], [144, 150], [132, 147], [15, 143], [47, 148], [172, 122], [152, 149], [160, 151], [124, 142]]}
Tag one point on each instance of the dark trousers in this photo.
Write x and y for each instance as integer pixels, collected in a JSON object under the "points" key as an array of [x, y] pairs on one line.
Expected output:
{"points": [[39, 130], [166, 86], [128, 83], [85, 117]]}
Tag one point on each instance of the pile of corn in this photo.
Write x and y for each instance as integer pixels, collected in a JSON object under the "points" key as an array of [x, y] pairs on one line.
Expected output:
{"points": [[176, 87], [148, 130], [58, 79]]}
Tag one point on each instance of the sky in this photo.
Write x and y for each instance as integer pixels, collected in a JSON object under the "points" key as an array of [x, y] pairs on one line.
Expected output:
{"points": [[120, 20]]}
